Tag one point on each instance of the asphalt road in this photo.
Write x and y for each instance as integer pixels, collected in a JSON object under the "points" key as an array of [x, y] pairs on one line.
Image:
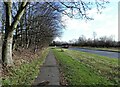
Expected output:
{"points": [[102, 53]]}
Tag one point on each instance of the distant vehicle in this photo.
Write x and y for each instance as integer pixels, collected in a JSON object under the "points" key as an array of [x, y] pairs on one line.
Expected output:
{"points": [[65, 45]]}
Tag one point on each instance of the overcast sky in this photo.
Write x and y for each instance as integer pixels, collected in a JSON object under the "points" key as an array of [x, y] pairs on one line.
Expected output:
{"points": [[105, 24]]}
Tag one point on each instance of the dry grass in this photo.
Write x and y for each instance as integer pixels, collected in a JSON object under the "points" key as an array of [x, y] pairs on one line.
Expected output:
{"points": [[24, 56]]}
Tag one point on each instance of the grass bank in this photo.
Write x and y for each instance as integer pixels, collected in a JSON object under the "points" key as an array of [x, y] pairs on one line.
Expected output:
{"points": [[82, 68], [25, 74]]}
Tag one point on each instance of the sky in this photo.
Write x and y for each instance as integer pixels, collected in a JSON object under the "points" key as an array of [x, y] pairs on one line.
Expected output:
{"points": [[105, 24]]}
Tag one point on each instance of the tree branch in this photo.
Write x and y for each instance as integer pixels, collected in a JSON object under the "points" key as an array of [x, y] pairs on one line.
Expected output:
{"points": [[19, 14]]}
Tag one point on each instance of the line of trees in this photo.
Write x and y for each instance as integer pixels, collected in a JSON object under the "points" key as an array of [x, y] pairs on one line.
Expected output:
{"points": [[37, 28], [103, 41]]}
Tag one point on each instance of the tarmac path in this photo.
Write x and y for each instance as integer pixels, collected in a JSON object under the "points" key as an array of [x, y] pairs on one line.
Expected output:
{"points": [[49, 72]]}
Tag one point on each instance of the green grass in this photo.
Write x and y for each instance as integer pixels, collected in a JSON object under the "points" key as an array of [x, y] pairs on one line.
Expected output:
{"points": [[107, 67], [25, 74], [82, 68]]}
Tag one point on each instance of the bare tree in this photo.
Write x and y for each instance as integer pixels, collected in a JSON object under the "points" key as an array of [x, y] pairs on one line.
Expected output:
{"points": [[94, 35]]}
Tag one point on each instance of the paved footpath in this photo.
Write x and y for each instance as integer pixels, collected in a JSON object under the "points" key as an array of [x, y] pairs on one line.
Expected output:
{"points": [[49, 71]]}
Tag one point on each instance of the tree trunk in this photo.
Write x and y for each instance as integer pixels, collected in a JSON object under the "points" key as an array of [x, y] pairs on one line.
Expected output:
{"points": [[8, 37], [9, 29], [7, 50]]}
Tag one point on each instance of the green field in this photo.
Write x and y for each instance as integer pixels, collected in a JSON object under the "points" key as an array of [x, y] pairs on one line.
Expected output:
{"points": [[82, 68]]}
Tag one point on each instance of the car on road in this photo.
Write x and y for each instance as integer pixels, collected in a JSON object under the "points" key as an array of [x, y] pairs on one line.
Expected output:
{"points": [[65, 45]]}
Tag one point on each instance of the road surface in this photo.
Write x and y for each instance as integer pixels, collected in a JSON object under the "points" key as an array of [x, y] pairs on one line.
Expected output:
{"points": [[102, 53]]}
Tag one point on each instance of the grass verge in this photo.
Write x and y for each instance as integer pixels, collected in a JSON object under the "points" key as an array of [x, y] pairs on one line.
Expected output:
{"points": [[79, 73], [25, 74], [104, 66]]}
